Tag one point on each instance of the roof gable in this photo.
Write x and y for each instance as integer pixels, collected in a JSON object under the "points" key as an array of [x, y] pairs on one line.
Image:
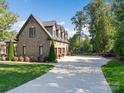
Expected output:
{"points": [[38, 21]]}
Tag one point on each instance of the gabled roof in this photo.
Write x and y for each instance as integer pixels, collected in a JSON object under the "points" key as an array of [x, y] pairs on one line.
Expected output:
{"points": [[43, 24], [38, 21]]}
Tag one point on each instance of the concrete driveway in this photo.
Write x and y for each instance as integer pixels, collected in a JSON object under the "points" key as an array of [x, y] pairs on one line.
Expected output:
{"points": [[71, 75]]}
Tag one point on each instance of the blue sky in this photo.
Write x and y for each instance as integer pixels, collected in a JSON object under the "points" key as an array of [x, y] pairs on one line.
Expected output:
{"points": [[60, 10]]}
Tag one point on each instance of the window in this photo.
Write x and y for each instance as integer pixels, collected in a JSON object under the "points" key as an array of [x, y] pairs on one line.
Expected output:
{"points": [[57, 33], [61, 34], [24, 50], [41, 50], [49, 29], [32, 32]]}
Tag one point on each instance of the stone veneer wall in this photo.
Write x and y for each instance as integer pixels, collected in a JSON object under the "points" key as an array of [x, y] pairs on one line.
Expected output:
{"points": [[32, 44]]}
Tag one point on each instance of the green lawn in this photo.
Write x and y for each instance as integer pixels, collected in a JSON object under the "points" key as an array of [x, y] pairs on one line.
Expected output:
{"points": [[114, 73], [13, 74]]}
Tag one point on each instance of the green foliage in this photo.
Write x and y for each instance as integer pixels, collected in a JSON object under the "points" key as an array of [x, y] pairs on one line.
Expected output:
{"points": [[118, 8], [119, 43], [79, 20], [100, 26], [3, 6], [10, 50], [74, 42], [52, 53], [7, 19], [10, 35], [86, 44]]}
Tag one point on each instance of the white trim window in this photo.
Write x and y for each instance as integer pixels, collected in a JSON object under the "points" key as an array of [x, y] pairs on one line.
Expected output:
{"points": [[32, 32], [40, 50]]}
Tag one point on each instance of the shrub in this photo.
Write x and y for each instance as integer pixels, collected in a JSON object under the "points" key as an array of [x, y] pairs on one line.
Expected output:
{"points": [[15, 58], [33, 59], [21, 59], [27, 59], [52, 53], [40, 59], [46, 59], [119, 42], [10, 50]]}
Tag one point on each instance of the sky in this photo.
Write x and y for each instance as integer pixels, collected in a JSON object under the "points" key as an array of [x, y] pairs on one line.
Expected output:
{"points": [[60, 10]]}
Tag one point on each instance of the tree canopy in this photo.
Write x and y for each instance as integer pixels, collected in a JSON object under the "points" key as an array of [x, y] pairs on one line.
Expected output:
{"points": [[106, 25], [101, 27], [7, 19]]}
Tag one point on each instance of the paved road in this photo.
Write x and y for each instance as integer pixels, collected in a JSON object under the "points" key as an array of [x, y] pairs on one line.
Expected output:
{"points": [[71, 75]]}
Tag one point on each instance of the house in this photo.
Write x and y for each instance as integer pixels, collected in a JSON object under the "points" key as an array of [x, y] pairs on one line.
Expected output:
{"points": [[35, 37]]}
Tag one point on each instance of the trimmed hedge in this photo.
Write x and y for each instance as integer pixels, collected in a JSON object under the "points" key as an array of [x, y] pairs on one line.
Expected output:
{"points": [[10, 50], [52, 53]]}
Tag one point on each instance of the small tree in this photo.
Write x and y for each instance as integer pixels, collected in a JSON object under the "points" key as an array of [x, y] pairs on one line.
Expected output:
{"points": [[52, 53], [86, 44], [79, 20], [10, 50]]}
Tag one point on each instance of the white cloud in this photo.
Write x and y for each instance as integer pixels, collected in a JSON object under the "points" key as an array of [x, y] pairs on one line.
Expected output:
{"points": [[17, 26], [70, 32], [86, 31], [62, 23]]}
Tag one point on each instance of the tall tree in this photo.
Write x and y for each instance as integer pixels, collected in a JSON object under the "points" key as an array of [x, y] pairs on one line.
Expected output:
{"points": [[3, 6], [100, 28], [86, 43], [74, 42], [7, 19], [10, 35], [118, 11], [79, 20]]}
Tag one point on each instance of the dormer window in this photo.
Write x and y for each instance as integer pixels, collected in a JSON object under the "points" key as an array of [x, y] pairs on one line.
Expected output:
{"points": [[32, 32], [61, 34], [57, 33]]}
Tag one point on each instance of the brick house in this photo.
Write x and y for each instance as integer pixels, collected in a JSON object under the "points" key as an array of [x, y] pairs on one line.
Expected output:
{"points": [[34, 38]]}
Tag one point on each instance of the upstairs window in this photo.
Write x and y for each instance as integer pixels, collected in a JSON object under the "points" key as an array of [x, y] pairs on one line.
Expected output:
{"points": [[32, 32], [61, 34], [57, 33]]}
